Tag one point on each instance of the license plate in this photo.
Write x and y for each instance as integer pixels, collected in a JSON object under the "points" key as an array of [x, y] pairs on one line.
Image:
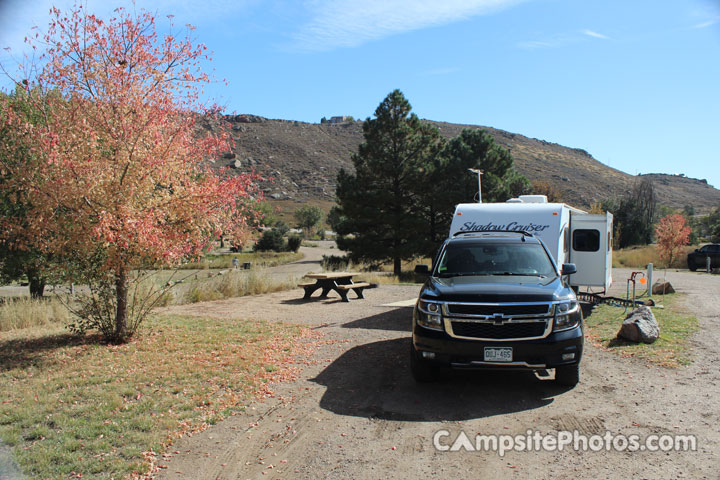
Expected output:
{"points": [[498, 354]]}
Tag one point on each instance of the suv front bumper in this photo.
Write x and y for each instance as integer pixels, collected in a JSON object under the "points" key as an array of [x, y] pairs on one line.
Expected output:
{"points": [[549, 352]]}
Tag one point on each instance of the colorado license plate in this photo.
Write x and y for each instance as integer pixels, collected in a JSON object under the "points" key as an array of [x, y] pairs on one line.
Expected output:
{"points": [[498, 354]]}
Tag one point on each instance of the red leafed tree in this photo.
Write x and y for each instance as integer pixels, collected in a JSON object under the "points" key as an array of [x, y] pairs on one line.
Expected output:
{"points": [[671, 232], [123, 180]]}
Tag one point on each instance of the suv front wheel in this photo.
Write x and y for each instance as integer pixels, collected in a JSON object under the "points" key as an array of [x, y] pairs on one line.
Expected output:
{"points": [[568, 376], [422, 372]]}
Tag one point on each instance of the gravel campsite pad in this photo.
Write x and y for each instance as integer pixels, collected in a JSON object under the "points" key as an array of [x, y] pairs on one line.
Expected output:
{"points": [[355, 412]]}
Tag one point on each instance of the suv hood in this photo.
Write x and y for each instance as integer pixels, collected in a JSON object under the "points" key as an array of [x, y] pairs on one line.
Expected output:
{"points": [[495, 289]]}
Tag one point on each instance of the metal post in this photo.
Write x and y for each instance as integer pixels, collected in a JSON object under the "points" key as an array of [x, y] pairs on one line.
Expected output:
{"points": [[708, 264], [479, 174], [650, 279]]}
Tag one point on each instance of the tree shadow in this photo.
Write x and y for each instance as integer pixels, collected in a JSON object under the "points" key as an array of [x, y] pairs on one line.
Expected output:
{"points": [[315, 299], [399, 320], [27, 352], [373, 380]]}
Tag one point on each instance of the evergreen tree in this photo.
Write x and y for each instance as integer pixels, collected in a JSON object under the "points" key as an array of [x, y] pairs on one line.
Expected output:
{"points": [[379, 203], [448, 181]]}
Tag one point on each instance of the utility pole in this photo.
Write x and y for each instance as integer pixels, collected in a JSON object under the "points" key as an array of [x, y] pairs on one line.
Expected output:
{"points": [[479, 174]]}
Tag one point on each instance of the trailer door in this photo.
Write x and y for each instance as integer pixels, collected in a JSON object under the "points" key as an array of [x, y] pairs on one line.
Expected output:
{"points": [[591, 250]]}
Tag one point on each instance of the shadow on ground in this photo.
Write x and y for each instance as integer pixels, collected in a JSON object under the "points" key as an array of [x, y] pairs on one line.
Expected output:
{"points": [[373, 380], [23, 353], [399, 320]]}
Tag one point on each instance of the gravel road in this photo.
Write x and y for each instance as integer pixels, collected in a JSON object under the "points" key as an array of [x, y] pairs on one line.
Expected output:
{"points": [[356, 413]]}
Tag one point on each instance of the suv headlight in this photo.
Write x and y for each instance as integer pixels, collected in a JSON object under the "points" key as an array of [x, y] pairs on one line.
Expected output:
{"points": [[429, 315], [566, 315]]}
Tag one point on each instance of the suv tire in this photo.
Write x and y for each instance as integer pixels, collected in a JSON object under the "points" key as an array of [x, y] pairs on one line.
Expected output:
{"points": [[568, 376], [422, 372]]}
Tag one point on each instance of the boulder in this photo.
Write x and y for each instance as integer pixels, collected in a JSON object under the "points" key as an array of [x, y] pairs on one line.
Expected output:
{"points": [[661, 288], [640, 326]]}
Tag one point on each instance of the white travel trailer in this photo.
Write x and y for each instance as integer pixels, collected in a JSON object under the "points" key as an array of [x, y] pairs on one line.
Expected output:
{"points": [[571, 235]]}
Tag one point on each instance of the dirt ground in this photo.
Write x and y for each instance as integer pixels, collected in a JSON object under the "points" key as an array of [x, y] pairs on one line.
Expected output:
{"points": [[355, 412]]}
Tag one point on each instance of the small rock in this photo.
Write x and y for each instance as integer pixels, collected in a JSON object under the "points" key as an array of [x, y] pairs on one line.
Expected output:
{"points": [[640, 326]]}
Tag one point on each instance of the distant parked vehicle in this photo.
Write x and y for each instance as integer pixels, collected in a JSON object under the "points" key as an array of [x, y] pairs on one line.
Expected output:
{"points": [[698, 258]]}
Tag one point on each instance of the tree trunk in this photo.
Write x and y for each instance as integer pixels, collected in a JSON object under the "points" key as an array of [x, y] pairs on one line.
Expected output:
{"points": [[121, 314], [37, 287], [397, 265], [36, 283]]}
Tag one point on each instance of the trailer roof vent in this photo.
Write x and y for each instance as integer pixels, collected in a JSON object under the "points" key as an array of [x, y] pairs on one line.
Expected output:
{"points": [[533, 198]]}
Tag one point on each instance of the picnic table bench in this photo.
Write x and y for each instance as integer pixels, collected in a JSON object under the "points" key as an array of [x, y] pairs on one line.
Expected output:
{"points": [[340, 282]]}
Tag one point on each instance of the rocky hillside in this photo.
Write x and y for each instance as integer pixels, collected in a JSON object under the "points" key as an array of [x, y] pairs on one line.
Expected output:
{"points": [[301, 160]]}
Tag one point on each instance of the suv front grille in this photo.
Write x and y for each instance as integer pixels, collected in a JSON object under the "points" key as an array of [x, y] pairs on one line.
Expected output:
{"points": [[507, 310], [505, 331], [498, 321]]}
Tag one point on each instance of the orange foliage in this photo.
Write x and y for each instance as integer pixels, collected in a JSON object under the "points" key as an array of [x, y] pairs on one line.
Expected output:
{"points": [[672, 232], [122, 167], [120, 170]]}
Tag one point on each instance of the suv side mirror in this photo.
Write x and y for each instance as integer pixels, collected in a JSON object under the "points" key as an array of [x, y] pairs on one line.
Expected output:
{"points": [[568, 269], [422, 269]]}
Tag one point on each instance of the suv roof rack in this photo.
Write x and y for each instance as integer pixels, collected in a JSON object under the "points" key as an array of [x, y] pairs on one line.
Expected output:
{"points": [[521, 232]]}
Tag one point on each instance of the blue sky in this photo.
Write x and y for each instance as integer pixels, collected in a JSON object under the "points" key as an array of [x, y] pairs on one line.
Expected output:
{"points": [[635, 83]]}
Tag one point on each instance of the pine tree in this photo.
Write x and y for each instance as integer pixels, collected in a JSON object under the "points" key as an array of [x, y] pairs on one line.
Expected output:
{"points": [[380, 201]]}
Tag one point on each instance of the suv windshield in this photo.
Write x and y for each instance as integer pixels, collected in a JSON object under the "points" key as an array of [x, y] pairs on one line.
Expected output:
{"points": [[465, 258]]}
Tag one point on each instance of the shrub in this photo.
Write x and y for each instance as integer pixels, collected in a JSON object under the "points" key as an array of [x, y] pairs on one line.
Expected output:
{"points": [[293, 243], [270, 240], [335, 262], [281, 227]]}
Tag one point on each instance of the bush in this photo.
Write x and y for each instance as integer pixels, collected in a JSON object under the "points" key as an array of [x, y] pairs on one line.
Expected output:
{"points": [[293, 243], [270, 240], [281, 227], [335, 262]]}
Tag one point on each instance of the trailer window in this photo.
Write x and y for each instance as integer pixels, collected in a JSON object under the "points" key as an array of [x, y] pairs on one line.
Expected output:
{"points": [[586, 240]]}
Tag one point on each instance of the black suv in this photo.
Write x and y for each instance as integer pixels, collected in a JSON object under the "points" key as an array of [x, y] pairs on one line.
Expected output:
{"points": [[698, 258], [496, 300]]}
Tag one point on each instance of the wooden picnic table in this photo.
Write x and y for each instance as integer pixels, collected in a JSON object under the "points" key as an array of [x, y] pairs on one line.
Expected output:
{"points": [[339, 282]]}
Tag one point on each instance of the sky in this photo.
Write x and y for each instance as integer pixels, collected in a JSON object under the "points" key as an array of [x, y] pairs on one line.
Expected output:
{"points": [[634, 83]]}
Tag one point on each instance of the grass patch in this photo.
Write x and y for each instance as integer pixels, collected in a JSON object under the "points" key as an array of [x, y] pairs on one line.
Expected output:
{"points": [[231, 284], [639, 257], [72, 405], [672, 349], [258, 259], [25, 312]]}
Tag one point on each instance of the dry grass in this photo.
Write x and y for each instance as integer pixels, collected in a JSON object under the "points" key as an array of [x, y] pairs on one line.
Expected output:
{"points": [[73, 407], [639, 257], [257, 259], [24, 312], [230, 284]]}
